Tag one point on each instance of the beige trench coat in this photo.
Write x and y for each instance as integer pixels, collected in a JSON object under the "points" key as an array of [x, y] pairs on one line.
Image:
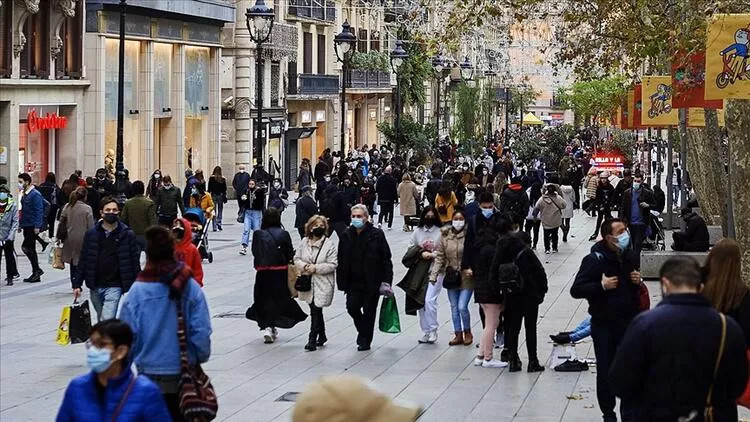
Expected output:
{"points": [[324, 277], [407, 197], [78, 219]]}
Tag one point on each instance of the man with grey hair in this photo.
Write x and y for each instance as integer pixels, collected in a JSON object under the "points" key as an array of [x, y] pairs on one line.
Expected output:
{"points": [[364, 268], [386, 189]]}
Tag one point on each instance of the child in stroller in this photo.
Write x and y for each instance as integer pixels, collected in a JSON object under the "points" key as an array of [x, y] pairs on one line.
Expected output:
{"points": [[199, 225]]}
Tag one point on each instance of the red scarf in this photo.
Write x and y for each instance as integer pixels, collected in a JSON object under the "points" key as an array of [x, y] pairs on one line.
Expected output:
{"points": [[173, 273]]}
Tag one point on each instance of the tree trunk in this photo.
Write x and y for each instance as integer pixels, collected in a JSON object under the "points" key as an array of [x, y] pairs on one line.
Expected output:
{"points": [[716, 170], [738, 127], [701, 165]]}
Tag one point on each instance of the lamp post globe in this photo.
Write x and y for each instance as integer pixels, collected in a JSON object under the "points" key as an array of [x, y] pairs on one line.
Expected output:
{"points": [[466, 69], [344, 42], [398, 56], [259, 21], [438, 63]]}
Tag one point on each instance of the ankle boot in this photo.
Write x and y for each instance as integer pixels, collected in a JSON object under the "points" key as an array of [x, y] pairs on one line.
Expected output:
{"points": [[514, 363], [310, 346], [457, 339], [322, 339], [468, 338], [534, 366]]}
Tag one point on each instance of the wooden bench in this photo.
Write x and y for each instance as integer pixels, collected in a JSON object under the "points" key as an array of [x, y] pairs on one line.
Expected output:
{"points": [[651, 261]]}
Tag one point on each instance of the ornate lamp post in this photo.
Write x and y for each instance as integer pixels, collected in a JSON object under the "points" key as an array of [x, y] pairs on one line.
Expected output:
{"points": [[259, 21], [398, 56], [119, 164], [490, 74], [438, 64], [466, 69], [343, 43]]}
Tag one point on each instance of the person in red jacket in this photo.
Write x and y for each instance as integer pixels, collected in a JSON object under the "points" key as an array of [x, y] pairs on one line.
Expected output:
{"points": [[185, 251]]}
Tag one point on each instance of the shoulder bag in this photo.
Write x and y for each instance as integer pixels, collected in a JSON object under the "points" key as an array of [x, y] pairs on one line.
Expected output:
{"points": [[452, 278], [304, 282], [123, 400], [708, 413], [509, 275]]}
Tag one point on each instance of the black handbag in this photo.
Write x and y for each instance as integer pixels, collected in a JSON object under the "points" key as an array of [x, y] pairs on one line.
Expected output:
{"points": [[452, 279], [304, 282]]}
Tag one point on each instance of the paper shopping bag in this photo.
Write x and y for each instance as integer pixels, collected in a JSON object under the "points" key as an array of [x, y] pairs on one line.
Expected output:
{"points": [[57, 262], [80, 322], [388, 321], [63, 334]]}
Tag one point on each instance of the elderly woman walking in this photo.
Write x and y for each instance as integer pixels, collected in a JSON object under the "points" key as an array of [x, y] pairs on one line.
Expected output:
{"points": [[316, 259], [408, 197]]}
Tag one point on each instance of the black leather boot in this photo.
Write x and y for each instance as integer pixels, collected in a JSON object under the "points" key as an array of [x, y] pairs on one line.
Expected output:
{"points": [[310, 346], [514, 364], [322, 339], [534, 366]]}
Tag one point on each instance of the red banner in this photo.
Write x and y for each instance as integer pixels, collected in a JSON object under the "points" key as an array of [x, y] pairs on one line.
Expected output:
{"points": [[689, 82]]}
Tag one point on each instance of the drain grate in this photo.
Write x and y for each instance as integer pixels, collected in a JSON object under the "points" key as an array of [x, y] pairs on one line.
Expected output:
{"points": [[230, 315], [290, 396]]}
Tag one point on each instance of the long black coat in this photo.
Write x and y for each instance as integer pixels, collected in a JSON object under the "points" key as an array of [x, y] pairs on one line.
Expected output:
{"points": [[304, 209], [364, 260], [695, 233], [386, 188], [665, 372]]}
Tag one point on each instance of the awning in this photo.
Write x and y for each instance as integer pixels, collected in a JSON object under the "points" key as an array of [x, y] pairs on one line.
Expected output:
{"points": [[299, 132], [530, 119]]}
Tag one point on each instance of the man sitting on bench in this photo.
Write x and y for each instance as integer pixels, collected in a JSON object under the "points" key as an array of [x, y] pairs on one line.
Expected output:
{"points": [[694, 237]]}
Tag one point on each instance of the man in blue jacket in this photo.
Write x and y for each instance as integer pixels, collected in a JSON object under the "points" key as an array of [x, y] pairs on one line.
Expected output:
{"points": [[661, 367], [30, 223], [609, 281], [109, 261]]}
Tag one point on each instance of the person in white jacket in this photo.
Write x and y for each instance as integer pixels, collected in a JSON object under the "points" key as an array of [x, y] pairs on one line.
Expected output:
{"points": [[317, 256], [569, 195], [550, 206]]}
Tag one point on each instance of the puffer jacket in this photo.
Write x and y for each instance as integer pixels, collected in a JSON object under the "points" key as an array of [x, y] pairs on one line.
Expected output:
{"points": [[450, 251], [9, 221], [324, 277], [128, 254], [185, 251], [32, 209], [592, 182], [550, 207], [81, 402]]}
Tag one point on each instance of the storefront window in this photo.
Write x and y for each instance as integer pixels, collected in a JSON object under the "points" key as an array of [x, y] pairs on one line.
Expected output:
{"points": [[36, 135], [131, 123], [196, 106], [162, 78]]}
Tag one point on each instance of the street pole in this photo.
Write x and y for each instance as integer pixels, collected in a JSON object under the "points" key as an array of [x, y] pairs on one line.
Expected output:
{"points": [[259, 101], [507, 104], [670, 171], [119, 164], [344, 70], [437, 113], [398, 112], [683, 154]]}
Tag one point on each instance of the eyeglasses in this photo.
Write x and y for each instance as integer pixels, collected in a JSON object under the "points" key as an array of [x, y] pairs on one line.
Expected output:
{"points": [[101, 344]]}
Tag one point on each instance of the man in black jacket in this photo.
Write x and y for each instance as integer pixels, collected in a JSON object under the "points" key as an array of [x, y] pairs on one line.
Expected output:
{"points": [[635, 211], [364, 263], [387, 196], [603, 201], [304, 209], [431, 190], [609, 281], [252, 205], [334, 208], [694, 237], [661, 367], [515, 202]]}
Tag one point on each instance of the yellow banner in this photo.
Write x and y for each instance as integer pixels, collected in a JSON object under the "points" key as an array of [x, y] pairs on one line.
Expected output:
{"points": [[656, 109], [728, 57], [631, 107], [697, 118]]}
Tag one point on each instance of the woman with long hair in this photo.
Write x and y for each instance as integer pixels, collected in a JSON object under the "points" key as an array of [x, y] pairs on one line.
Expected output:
{"points": [[724, 286], [217, 187], [154, 183], [427, 238], [76, 219]]}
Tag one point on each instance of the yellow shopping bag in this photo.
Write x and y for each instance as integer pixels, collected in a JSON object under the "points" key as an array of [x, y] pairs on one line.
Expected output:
{"points": [[63, 328]]}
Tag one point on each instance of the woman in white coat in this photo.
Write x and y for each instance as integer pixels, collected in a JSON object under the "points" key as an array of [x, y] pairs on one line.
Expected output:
{"points": [[569, 195], [317, 257]]}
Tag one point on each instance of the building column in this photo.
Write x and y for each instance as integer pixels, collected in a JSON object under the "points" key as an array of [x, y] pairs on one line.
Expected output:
{"points": [[9, 138], [93, 133], [69, 141], [173, 136], [146, 113], [214, 109]]}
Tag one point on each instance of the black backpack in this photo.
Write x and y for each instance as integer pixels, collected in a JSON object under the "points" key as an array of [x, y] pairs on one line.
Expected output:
{"points": [[509, 277]]}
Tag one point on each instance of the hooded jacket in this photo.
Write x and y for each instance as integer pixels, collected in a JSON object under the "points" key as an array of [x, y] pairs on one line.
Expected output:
{"points": [[514, 201], [9, 221], [186, 252], [550, 207]]}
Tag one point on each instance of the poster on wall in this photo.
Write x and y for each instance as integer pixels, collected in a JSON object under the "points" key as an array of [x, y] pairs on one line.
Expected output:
{"points": [[689, 82], [656, 100], [727, 57]]}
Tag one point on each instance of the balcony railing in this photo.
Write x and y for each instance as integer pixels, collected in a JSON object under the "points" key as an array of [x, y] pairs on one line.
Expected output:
{"points": [[370, 79], [310, 84], [313, 9]]}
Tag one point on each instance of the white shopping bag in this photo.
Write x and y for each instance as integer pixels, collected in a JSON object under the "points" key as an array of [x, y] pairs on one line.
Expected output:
{"points": [[561, 353]]}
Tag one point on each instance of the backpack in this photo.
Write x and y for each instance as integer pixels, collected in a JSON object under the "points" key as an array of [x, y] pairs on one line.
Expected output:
{"points": [[509, 275]]}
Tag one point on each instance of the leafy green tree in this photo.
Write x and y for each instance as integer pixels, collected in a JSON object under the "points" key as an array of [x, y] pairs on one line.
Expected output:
{"points": [[466, 99], [414, 136], [521, 97], [593, 98], [414, 71]]}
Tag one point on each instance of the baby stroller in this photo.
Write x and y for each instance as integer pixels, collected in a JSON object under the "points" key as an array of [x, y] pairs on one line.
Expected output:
{"points": [[199, 225], [655, 241]]}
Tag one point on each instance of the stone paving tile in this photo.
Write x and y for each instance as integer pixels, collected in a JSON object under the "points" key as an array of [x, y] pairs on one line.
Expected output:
{"points": [[250, 376]]}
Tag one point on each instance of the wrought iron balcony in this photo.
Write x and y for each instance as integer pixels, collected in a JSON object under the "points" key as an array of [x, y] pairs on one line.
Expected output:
{"points": [[362, 79], [319, 10], [311, 84]]}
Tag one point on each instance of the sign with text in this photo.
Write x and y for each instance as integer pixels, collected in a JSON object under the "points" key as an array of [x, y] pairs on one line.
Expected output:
{"points": [[49, 121]]}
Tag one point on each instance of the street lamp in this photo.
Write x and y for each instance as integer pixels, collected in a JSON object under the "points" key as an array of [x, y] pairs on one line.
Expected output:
{"points": [[398, 56], [490, 74], [344, 46], [119, 164], [438, 64], [466, 69], [259, 21]]}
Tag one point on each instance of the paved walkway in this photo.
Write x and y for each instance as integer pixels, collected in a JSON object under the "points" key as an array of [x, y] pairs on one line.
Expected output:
{"points": [[251, 376]]}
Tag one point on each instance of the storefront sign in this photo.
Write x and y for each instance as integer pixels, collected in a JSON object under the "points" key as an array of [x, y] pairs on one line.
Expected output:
{"points": [[608, 160], [50, 121]]}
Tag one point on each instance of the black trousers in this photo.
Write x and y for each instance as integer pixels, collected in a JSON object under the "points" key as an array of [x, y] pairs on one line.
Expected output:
{"points": [[533, 224], [607, 339], [637, 235], [550, 236], [29, 247], [386, 210], [362, 307], [516, 310], [173, 406], [577, 199], [565, 227], [317, 323], [10, 259], [601, 216]]}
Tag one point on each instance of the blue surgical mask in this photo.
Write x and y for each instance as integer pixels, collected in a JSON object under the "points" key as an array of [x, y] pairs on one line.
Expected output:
{"points": [[98, 359], [3, 196], [623, 240], [358, 223], [636, 185], [487, 212]]}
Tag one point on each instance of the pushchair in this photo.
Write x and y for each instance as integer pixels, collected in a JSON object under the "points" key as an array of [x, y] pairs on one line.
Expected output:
{"points": [[199, 227], [655, 240]]}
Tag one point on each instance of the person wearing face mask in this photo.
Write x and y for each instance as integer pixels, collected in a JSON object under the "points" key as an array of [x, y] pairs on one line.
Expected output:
{"points": [[185, 251], [649, 369], [168, 202], [320, 188], [387, 191], [200, 199], [351, 191], [609, 281], [364, 266], [102, 183], [317, 257], [635, 210], [154, 184], [604, 201], [448, 257], [239, 184], [30, 223], [8, 227], [252, 204], [305, 208], [109, 261], [277, 195], [111, 391]]}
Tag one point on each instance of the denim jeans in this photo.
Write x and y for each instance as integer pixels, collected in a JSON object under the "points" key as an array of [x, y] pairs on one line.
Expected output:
{"points": [[218, 210], [460, 314], [582, 331], [105, 301], [252, 223]]}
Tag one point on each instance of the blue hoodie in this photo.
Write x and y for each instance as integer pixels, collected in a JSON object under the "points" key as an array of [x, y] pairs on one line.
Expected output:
{"points": [[153, 317]]}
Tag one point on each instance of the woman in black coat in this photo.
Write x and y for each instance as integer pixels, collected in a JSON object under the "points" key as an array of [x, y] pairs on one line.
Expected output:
{"points": [[523, 304]]}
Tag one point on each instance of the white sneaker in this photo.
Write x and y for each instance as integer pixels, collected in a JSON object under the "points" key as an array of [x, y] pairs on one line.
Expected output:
{"points": [[432, 337], [243, 251], [268, 336], [478, 361], [494, 363], [425, 339]]}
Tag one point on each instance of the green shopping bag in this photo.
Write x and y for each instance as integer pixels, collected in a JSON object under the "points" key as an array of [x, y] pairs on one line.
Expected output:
{"points": [[388, 321]]}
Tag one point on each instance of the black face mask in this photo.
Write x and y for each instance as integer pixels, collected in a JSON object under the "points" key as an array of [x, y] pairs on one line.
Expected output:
{"points": [[319, 231], [110, 218]]}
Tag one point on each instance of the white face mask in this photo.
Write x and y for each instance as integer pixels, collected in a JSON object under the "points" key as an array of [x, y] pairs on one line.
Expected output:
{"points": [[458, 224]]}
